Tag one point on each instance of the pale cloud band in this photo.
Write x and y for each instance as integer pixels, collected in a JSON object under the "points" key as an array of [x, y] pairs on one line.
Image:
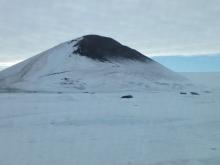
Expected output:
{"points": [[28, 27]]}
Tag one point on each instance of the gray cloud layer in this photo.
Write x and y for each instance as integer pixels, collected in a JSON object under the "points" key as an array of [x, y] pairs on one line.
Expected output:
{"points": [[28, 27]]}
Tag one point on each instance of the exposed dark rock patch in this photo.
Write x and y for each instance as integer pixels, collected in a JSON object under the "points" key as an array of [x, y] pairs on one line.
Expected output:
{"points": [[89, 92], [106, 49], [207, 91], [183, 93], [127, 97], [213, 148]]}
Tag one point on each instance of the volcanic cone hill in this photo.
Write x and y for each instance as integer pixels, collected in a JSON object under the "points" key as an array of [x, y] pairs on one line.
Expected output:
{"points": [[89, 63]]}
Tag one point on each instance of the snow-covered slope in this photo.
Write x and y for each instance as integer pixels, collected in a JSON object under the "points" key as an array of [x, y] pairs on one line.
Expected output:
{"points": [[152, 128], [91, 63]]}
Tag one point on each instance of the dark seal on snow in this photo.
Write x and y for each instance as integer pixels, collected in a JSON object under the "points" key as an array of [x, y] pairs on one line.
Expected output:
{"points": [[127, 97], [106, 49], [194, 93]]}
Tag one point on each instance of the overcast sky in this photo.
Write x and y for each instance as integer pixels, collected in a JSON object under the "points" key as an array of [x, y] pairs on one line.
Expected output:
{"points": [[153, 27]]}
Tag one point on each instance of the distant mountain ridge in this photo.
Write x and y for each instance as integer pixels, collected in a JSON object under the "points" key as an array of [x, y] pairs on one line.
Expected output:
{"points": [[195, 63]]}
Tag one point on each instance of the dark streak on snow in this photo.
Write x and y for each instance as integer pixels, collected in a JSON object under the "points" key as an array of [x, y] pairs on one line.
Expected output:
{"points": [[51, 74]]}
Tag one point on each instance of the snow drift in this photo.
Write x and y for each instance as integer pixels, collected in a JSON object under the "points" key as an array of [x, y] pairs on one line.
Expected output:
{"points": [[89, 64]]}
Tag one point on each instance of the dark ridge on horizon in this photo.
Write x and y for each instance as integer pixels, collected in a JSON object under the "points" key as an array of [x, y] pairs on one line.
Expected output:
{"points": [[107, 49]]}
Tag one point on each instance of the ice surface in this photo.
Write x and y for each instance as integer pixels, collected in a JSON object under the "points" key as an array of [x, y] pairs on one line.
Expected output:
{"points": [[153, 128]]}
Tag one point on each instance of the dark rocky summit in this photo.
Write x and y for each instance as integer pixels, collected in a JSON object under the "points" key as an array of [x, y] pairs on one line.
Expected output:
{"points": [[106, 49]]}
